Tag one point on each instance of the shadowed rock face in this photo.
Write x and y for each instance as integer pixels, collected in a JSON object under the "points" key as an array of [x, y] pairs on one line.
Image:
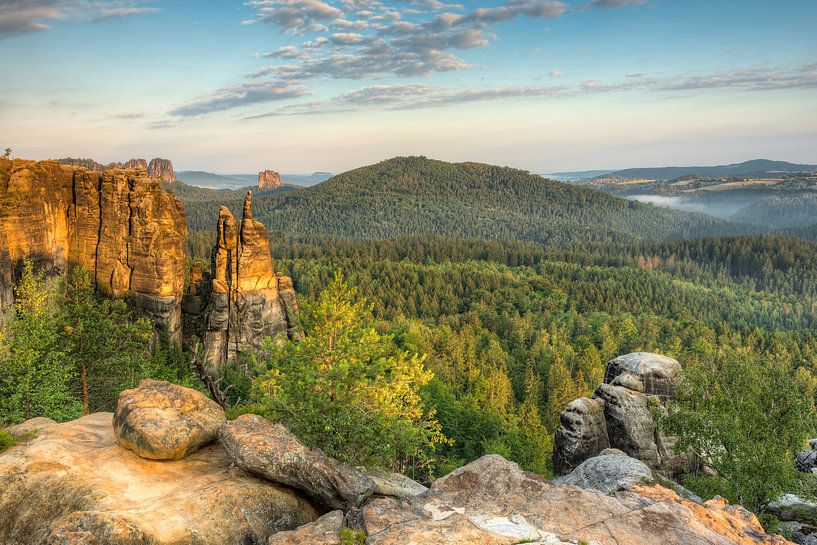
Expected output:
{"points": [[119, 225], [620, 416], [269, 179], [245, 301]]}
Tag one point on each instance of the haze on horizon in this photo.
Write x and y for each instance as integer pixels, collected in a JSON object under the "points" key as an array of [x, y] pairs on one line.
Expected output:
{"points": [[328, 85]]}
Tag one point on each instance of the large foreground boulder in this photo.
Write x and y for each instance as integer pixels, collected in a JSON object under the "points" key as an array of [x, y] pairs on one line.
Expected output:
{"points": [[163, 421], [492, 501], [73, 484], [620, 415], [270, 451]]}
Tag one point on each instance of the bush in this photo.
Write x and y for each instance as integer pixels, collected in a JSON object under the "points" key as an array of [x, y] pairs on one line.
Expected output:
{"points": [[6, 440]]}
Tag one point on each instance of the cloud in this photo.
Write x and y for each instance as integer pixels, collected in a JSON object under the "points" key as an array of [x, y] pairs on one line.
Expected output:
{"points": [[22, 16], [557, 74], [539, 9], [610, 4], [296, 16], [750, 79], [238, 96], [346, 38], [286, 52]]}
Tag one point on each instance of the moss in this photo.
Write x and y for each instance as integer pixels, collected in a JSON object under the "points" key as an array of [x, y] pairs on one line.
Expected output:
{"points": [[349, 536]]}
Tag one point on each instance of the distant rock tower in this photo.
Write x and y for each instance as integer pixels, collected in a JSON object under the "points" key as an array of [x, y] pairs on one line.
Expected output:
{"points": [[269, 179], [162, 170]]}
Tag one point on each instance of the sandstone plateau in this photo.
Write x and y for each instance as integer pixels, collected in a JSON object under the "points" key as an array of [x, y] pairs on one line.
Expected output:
{"points": [[244, 301], [119, 225], [269, 179]]}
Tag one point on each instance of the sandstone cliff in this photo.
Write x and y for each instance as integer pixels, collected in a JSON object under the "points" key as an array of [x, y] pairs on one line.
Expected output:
{"points": [[119, 225], [162, 170], [244, 301], [269, 179]]}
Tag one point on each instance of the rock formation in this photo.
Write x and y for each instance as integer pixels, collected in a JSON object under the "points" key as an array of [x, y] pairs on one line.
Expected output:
{"points": [[163, 421], [619, 415], [136, 163], [81, 488], [119, 225], [269, 179], [73, 484], [269, 450], [245, 301], [162, 170], [608, 472]]}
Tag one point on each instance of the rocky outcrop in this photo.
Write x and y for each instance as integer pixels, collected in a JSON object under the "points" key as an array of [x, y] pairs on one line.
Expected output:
{"points": [[136, 163], [391, 484], [269, 179], [806, 461], [620, 415], [163, 421], [492, 501], [244, 302], [608, 472], [269, 450], [161, 170], [324, 531], [119, 225], [73, 484]]}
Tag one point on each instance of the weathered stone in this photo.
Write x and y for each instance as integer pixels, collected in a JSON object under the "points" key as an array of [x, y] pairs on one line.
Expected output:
{"points": [[794, 508], [620, 415], [269, 450], [269, 179], [245, 302], [608, 472], [324, 531], [30, 427], [656, 372], [161, 170], [163, 421], [73, 484], [118, 225], [582, 433], [806, 461], [391, 484]]}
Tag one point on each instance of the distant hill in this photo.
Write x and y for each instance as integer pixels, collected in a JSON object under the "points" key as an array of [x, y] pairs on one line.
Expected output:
{"points": [[408, 196], [235, 181], [576, 175], [756, 168]]}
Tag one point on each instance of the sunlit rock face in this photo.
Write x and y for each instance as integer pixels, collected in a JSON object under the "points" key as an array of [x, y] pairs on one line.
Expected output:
{"points": [[245, 301], [269, 179], [119, 225], [162, 170]]}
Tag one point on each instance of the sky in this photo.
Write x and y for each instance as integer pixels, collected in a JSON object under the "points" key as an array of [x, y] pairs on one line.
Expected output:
{"points": [[234, 86]]}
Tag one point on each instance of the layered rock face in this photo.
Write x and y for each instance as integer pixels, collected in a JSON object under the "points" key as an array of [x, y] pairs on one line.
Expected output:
{"points": [[162, 170], [245, 301], [269, 179], [119, 225], [136, 163], [619, 415]]}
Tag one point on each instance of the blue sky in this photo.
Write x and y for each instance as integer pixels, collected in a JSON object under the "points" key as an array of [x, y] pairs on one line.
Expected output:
{"points": [[306, 85]]}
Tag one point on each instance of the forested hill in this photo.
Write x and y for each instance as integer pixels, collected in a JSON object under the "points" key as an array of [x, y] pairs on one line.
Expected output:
{"points": [[408, 196]]}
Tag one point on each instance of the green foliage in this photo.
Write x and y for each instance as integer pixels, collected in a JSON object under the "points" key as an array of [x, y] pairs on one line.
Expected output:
{"points": [[746, 417], [35, 373], [350, 536], [418, 196], [350, 390], [6, 440], [65, 350]]}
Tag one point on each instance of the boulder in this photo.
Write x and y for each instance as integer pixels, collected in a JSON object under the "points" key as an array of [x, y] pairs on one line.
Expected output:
{"points": [[620, 415], [391, 484], [657, 373], [269, 450], [791, 507], [324, 531], [73, 484], [492, 501], [163, 421], [30, 427], [608, 472], [582, 433], [806, 461]]}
